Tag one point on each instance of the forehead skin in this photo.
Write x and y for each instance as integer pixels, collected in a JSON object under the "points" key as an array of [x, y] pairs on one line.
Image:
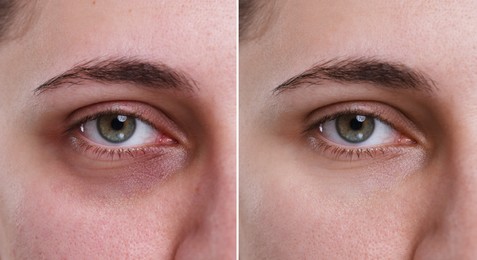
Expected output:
{"points": [[306, 31], [69, 30], [196, 37], [436, 37]]}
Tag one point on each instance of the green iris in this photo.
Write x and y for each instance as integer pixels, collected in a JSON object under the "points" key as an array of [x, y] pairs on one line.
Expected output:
{"points": [[116, 128], [355, 128]]}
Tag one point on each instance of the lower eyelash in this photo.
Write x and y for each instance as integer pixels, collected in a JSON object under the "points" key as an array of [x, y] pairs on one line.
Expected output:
{"points": [[101, 153], [352, 154]]}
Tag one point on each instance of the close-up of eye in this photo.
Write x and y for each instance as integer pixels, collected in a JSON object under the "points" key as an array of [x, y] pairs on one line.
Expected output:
{"points": [[360, 132], [121, 131]]}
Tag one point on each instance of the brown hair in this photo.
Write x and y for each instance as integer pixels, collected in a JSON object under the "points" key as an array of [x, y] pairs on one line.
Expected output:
{"points": [[7, 8], [16, 17], [254, 17], [245, 12]]}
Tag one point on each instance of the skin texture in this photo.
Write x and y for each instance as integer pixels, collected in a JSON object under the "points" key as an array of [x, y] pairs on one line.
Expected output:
{"points": [[297, 202], [58, 203]]}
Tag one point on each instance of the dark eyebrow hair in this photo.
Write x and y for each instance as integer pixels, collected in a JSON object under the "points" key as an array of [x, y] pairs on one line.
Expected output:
{"points": [[122, 70], [361, 70]]}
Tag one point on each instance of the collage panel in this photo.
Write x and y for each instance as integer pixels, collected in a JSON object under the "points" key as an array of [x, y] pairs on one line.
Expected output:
{"points": [[119, 136], [356, 125]]}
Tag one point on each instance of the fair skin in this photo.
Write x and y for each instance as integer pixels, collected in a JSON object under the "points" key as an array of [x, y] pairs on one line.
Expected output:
{"points": [[305, 194], [174, 198]]}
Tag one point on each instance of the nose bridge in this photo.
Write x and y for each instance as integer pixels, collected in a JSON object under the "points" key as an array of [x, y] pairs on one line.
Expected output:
{"points": [[453, 234], [220, 219], [461, 168], [218, 226], [220, 168], [462, 199], [214, 235]]}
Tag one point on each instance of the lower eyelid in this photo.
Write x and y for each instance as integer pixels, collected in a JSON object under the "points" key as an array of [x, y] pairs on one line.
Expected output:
{"points": [[343, 153], [95, 152]]}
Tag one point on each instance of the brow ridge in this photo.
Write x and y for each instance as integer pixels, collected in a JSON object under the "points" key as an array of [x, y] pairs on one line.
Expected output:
{"points": [[122, 70], [358, 71]]}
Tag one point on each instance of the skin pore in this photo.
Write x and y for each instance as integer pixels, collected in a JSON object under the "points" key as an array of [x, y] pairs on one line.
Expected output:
{"points": [[167, 191], [406, 193]]}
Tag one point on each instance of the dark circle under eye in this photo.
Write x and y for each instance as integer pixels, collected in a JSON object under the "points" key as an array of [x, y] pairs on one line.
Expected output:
{"points": [[355, 128], [116, 128]]}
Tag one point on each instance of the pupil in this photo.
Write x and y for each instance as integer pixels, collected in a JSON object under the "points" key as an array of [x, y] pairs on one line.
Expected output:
{"points": [[116, 124], [355, 128], [355, 125], [116, 128]]}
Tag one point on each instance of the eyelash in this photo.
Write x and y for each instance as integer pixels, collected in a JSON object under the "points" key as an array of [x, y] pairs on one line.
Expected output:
{"points": [[338, 152], [83, 146]]}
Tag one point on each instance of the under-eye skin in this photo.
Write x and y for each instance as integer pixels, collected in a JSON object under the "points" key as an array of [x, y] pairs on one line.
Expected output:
{"points": [[359, 131], [118, 131]]}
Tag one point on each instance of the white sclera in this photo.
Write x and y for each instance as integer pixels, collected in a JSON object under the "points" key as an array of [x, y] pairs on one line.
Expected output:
{"points": [[382, 134], [143, 134]]}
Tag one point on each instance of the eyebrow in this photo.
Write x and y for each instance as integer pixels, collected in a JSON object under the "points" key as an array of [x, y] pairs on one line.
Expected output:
{"points": [[122, 70], [358, 71]]}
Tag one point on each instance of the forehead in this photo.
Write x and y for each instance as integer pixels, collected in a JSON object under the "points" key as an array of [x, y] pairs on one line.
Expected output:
{"points": [[422, 34], [190, 35]]}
